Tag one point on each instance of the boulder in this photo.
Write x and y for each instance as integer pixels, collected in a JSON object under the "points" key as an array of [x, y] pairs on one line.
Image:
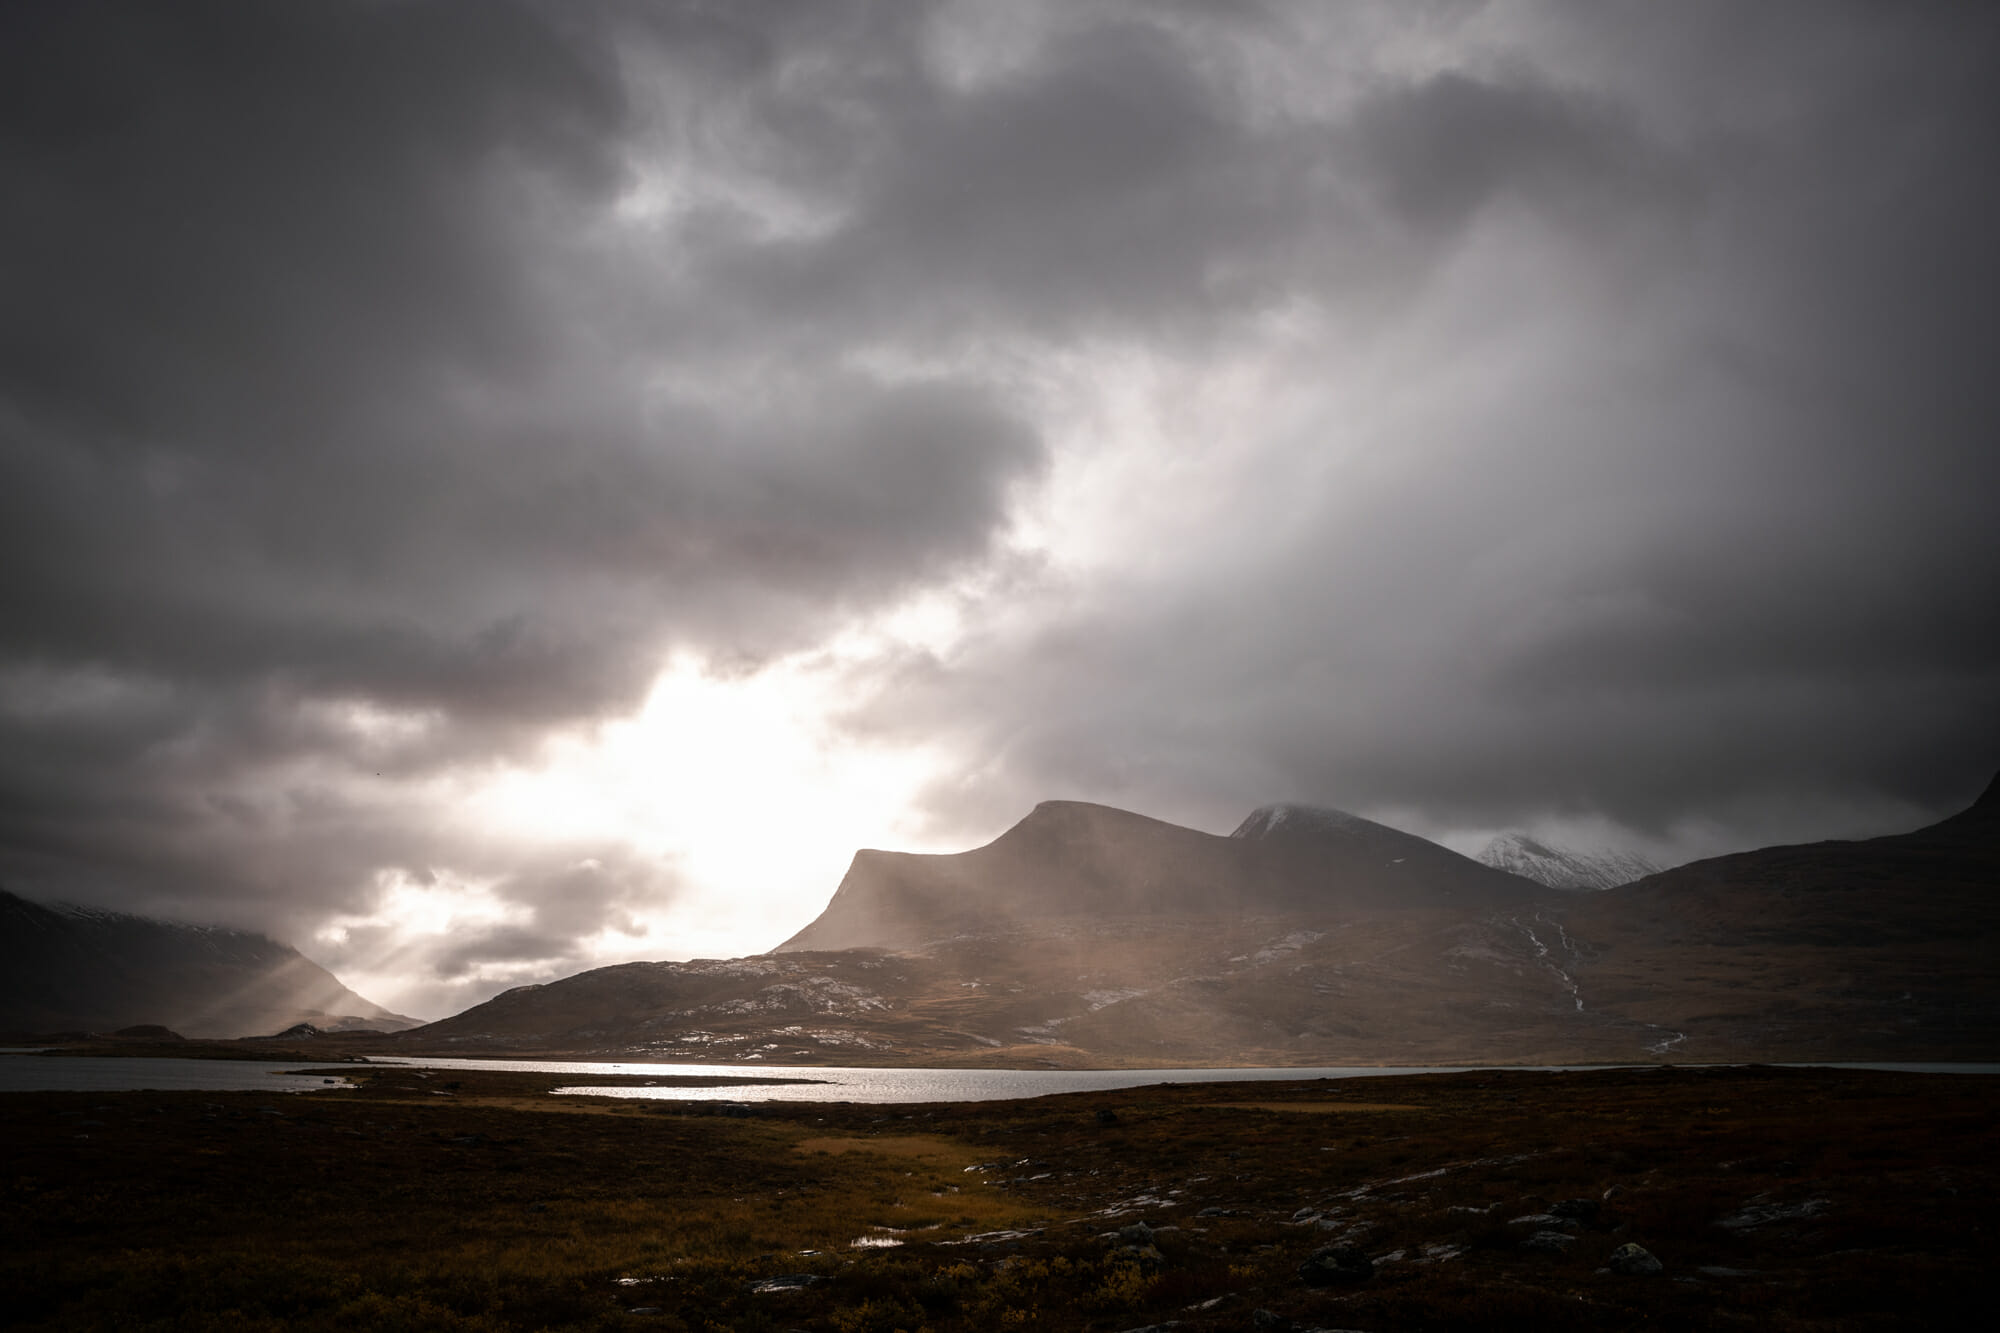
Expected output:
{"points": [[1576, 1210], [1335, 1265], [1635, 1261]]}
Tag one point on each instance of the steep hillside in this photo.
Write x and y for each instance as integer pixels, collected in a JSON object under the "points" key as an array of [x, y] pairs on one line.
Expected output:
{"points": [[77, 969]]}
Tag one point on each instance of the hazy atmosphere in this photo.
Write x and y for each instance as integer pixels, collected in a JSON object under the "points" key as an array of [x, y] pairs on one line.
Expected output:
{"points": [[488, 490]]}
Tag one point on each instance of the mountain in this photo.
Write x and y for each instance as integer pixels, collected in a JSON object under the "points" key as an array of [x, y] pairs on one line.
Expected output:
{"points": [[68, 969], [1886, 945], [1071, 861], [1564, 867], [1087, 936]]}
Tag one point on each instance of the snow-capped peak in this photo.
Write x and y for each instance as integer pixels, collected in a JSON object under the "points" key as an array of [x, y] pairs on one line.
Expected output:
{"points": [[1564, 867]]}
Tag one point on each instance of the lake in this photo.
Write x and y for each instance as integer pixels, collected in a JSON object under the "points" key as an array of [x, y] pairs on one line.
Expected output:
{"points": [[27, 1072]]}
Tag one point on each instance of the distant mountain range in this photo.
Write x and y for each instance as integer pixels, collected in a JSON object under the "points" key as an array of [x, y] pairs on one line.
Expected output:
{"points": [[1564, 867], [75, 969], [1089, 936]]}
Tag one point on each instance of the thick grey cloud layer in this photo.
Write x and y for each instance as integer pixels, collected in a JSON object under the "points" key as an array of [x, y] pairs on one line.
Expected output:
{"points": [[1623, 442]]}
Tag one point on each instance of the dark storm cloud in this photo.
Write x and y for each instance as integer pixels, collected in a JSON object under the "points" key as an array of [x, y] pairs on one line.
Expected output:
{"points": [[1686, 511], [320, 389], [383, 386]]}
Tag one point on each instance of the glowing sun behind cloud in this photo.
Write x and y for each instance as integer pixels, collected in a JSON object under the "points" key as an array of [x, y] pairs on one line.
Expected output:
{"points": [[743, 782]]}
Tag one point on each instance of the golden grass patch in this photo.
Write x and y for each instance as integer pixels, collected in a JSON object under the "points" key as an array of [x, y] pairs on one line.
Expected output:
{"points": [[917, 1147]]}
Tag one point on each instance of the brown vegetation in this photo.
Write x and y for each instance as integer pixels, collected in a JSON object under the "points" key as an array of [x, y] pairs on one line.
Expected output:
{"points": [[1775, 1199]]}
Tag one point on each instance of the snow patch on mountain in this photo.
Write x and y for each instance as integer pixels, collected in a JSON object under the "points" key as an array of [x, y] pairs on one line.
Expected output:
{"points": [[1562, 867]]}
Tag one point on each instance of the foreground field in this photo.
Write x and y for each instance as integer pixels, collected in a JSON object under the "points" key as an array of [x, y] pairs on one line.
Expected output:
{"points": [[1773, 1199]]}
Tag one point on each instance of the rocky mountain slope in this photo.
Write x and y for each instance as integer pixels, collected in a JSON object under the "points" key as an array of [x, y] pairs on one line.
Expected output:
{"points": [[1562, 867], [67, 969], [1091, 936]]}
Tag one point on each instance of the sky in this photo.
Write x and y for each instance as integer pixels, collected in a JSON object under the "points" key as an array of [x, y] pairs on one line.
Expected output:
{"points": [[492, 489]]}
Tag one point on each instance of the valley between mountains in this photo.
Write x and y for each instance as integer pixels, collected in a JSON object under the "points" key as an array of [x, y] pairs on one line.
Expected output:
{"points": [[1088, 936]]}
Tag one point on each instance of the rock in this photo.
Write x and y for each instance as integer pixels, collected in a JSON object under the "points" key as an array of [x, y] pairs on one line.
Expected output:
{"points": [[1268, 1321], [1333, 1265], [1147, 1257], [1106, 1116], [1549, 1242], [1759, 1213], [1137, 1233], [1216, 1212], [1577, 1210], [783, 1282], [1635, 1261]]}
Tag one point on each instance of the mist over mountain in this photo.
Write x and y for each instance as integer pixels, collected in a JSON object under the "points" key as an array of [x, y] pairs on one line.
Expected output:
{"points": [[1562, 867], [71, 969]]}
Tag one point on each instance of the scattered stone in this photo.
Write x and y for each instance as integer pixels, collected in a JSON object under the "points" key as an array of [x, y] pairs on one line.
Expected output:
{"points": [[1549, 1242], [1635, 1261], [1333, 1265], [644, 1309], [1757, 1213], [1216, 1212]]}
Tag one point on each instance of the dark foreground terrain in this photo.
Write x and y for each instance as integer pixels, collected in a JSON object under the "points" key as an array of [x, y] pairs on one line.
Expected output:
{"points": [[1772, 1199]]}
